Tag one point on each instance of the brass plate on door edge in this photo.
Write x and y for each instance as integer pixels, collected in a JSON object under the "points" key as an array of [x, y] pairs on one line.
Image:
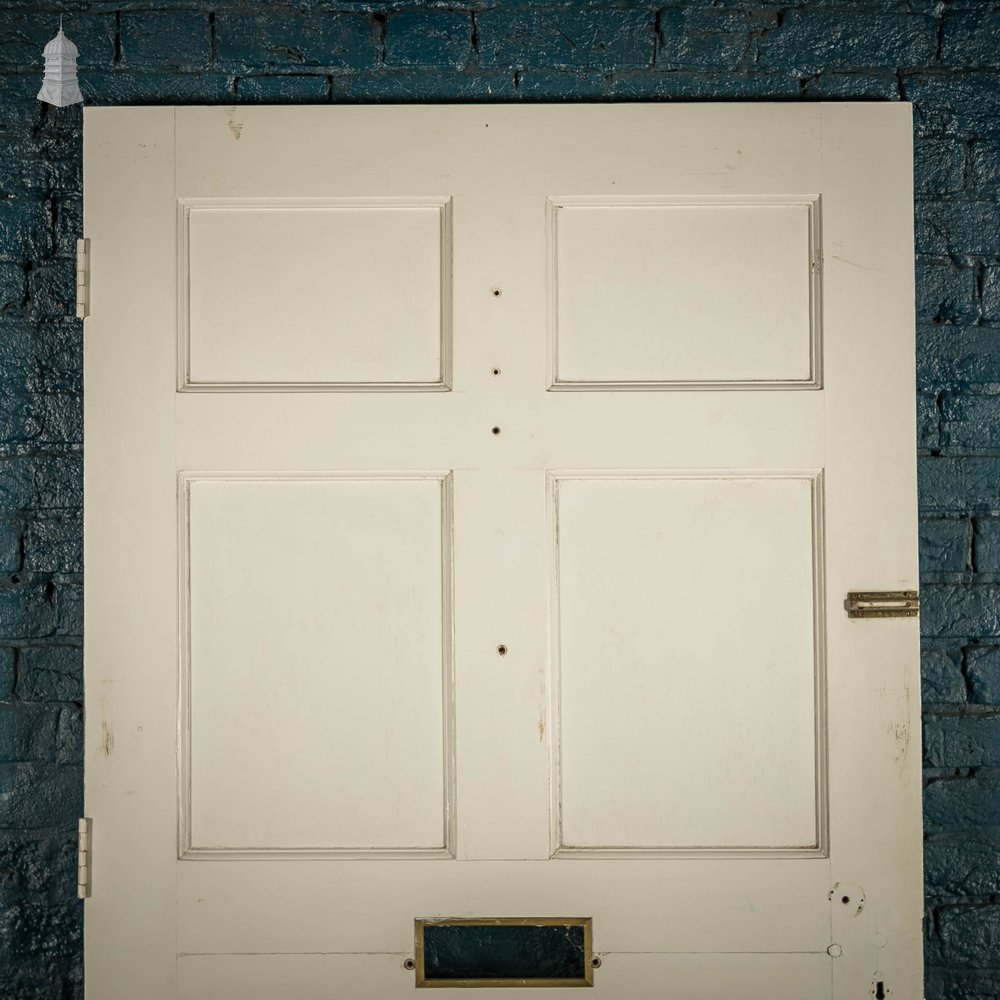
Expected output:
{"points": [[882, 604], [428, 974]]}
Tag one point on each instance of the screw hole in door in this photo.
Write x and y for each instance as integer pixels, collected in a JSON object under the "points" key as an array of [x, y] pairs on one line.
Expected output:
{"points": [[496, 371], [496, 292], [845, 900], [595, 962], [496, 430], [409, 964], [502, 649]]}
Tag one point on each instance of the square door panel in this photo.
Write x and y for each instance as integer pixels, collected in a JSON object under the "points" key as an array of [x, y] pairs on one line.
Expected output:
{"points": [[649, 293], [316, 687], [329, 294], [689, 663]]}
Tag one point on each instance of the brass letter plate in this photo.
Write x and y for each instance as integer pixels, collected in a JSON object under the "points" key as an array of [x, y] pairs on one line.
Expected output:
{"points": [[882, 604], [504, 951]]}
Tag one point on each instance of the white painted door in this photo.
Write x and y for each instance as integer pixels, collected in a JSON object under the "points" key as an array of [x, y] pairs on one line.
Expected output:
{"points": [[472, 497]]}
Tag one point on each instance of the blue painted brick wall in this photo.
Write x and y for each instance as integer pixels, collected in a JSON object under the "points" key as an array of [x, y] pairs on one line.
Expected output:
{"points": [[943, 56]]}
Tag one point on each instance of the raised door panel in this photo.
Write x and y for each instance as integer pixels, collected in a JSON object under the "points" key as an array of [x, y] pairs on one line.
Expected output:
{"points": [[661, 292], [288, 293], [317, 687], [689, 690]]}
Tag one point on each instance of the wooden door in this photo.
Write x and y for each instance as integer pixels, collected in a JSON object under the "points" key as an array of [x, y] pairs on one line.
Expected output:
{"points": [[472, 496]]}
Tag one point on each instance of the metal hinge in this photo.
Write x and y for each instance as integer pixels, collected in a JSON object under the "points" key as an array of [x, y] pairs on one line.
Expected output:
{"points": [[882, 604], [82, 278], [83, 859]]}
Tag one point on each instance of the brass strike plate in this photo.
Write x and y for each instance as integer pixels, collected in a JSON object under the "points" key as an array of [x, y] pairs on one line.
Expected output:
{"points": [[882, 604]]}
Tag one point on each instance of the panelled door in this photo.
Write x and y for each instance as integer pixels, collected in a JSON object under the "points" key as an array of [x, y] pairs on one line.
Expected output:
{"points": [[472, 495]]}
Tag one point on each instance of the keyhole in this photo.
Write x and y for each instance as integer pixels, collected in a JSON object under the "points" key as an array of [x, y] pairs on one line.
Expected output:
{"points": [[880, 990]]}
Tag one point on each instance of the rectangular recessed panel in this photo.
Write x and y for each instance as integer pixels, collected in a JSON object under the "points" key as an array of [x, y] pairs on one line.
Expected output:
{"points": [[688, 664], [504, 951], [653, 293], [319, 294], [317, 690]]}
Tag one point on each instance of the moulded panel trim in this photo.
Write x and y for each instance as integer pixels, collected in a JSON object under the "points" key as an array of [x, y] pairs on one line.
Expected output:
{"points": [[185, 849], [821, 849], [813, 205], [185, 206]]}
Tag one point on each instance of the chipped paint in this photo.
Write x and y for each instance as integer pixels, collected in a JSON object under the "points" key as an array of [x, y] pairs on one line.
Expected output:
{"points": [[107, 743]]}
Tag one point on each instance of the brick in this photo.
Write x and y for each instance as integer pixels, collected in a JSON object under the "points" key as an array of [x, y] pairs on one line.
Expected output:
{"points": [[37, 862], [286, 88], [251, 43], [42, 482], [938, 165], [50, 673], [984, 166], [954, 610], [69, 609], [879, 86], [69, 736], [957, 356], [566, 39], [982, 668], [52, 290], [19, 109], [941, 679], [54, 545], [946, 292], [36, 796], [961, 984], [68, 226], [966, 864], [970, 935], [964, 803], [409, 86], [11, 532], [13, 286], [970, 422], [24, 35], [958, 227], [28, 732], [113, 89], [987, 545], [961, 104], [810, 41], [59, 419], [25, 611], [969, 38], [165, 40], [428, 39], [31, 928], [991, 294], [25, 229], [945, 546], [962, 741], [928, 419], [686, 86], [959, 485], [8, 674], [695, 40]]}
